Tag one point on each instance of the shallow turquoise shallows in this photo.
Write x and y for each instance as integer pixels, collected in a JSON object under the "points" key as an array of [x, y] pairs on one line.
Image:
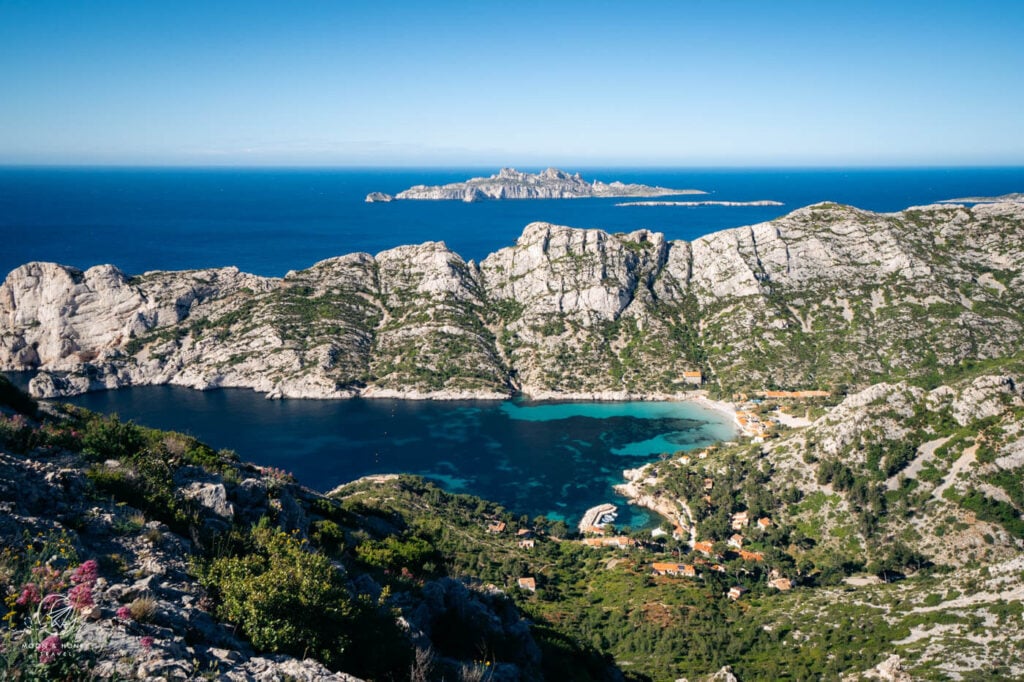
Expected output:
{"points": [[535, 458]]}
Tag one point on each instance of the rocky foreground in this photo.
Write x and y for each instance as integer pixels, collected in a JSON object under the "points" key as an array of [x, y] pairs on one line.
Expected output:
{"points": [[827, 296], [512, 184]]}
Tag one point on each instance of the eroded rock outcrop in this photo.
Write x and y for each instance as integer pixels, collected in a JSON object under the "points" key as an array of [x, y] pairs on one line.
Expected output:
{"points": [[825, 295]]}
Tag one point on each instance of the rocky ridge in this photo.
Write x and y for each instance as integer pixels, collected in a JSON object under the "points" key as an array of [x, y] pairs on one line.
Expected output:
{"points": [[509, 183], [826, 296]]}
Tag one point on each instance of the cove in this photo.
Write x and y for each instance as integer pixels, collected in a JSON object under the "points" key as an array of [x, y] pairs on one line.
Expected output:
{"points": [[556, 459]]}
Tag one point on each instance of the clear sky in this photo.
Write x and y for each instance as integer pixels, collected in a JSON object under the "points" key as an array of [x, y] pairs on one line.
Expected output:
{"points": [[683, 83]]}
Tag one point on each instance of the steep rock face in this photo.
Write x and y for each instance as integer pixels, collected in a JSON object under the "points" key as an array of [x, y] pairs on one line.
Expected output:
{"points": [[433, 337], [828, 295], [63, 316], [574, 300]]}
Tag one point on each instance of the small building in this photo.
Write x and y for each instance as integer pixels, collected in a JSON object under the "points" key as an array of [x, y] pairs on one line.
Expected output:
{"points": [[736, 540], [705, 547], [751, 556], [764, 523], [736, 592], [696, 378], [781, 584], [526, 544], [718, 567], [528, 584], [524, 533], [666, 568], [709, 484], [496, 527], [740, 520]]}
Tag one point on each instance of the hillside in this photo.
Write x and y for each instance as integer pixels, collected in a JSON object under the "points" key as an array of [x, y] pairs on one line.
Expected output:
{"points": [[206, 566], [826, 297]]}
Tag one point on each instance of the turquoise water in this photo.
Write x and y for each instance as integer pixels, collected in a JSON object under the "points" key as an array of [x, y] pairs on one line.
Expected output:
{"points": [[556, 459]]}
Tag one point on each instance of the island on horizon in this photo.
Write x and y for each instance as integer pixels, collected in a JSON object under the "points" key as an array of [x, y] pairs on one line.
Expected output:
{"points": [[509, 183]]}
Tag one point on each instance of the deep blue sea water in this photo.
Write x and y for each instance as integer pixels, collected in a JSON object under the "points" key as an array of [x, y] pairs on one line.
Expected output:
{"points": [[269, 221], [555, 459]]}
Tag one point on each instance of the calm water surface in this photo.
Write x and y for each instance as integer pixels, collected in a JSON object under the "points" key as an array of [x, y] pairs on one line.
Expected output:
{"points": [[556, 459]]}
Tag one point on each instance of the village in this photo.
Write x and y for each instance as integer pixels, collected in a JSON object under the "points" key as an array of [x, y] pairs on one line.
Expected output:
{"points": [[742, 553]]}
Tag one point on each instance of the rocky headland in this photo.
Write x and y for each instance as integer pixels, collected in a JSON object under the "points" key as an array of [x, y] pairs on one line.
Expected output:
{"points": [[509, 183], [826, 296], [761, 202]]}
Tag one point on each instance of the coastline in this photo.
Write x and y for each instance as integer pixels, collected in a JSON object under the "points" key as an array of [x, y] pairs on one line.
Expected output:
{"points": [[68, 387]]}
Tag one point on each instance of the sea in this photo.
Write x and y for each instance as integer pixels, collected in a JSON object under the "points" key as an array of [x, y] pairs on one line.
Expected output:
{"points": [[554, 459]]}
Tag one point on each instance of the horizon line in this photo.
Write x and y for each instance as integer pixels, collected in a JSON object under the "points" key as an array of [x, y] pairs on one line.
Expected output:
{"points": [[447, 166]]}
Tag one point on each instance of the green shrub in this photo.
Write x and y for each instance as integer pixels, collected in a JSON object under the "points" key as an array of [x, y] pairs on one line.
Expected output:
{"points": [[283, 597]]}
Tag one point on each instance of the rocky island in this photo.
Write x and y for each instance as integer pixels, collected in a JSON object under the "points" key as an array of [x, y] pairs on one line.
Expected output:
{"points": [[512, 184]]}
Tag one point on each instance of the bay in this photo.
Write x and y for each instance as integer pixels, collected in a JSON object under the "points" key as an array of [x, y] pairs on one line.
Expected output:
{"points": [[556, 459]]}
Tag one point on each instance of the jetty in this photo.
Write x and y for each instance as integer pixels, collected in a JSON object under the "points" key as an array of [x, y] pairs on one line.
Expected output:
{"points": [[595, 517]]}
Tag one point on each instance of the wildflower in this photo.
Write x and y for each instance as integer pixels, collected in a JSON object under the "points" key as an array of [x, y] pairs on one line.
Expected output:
{"points": [[146, 642], [80, 597], [49, 649], [86, 574], [124, 613], [51, 600], [29, 595]]}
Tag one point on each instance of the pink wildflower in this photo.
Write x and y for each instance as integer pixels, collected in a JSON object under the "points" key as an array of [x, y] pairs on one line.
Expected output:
{"points": [[146, 642], [51, 600], [124, 613], [86, 574], [29, 595], [49, 649], [80, 597]]}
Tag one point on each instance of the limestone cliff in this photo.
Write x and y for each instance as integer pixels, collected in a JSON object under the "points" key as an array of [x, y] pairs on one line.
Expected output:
{"points": [[824, 296]]}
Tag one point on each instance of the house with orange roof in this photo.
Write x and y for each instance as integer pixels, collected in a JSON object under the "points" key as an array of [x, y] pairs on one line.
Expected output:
{"points": [[705, 547], [496, 527], [740, 520], [665, 568], [751, 556], [668, 568], [781, 584], [529, 584], [736, 540], [695, 377], [736, 592]]}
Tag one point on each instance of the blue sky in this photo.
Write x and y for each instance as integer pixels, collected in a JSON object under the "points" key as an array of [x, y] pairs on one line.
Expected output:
{"points": [[685, 83]]}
